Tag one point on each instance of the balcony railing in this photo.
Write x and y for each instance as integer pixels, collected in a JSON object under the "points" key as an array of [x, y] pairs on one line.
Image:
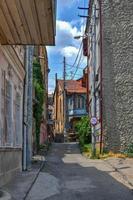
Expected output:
{"points": [[77, 112]]}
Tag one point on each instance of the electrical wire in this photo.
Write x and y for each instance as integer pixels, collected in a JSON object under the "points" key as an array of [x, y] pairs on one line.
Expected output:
{"points": [[80, 48], [77, 66]]}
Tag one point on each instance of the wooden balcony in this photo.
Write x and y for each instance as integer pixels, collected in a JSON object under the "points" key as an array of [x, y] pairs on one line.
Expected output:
{"points": [[27, 22]]}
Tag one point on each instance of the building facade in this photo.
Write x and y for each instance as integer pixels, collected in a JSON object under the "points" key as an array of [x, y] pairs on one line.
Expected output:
{"points": [[11, 110], [110, 59], [50, 117], [75, 104], [21, 24], [40, 53]]}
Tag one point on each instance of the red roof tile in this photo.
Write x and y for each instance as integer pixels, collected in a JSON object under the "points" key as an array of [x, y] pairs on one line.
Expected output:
{"points": [[73, 86]]}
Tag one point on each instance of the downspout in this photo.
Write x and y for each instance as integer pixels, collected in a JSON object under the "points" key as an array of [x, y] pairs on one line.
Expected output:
{"points": [[101, 76], [24, 143]]}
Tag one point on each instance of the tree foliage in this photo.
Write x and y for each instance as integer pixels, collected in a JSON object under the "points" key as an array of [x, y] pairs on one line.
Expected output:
{"points": [[83, 128], [39, 96]]}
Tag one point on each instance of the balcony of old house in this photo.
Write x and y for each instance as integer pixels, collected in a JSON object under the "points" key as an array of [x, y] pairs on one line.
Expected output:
{"points": [[76, 106]]}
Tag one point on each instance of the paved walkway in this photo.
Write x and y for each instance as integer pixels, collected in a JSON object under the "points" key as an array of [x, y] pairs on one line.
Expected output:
{"points": [[67, 175], [19, 186]]}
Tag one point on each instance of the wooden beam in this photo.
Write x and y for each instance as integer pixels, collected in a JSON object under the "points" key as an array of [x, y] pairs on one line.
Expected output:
{"points": [[24, 22], [5, 26], [11, 24], [30, 21], [13, 11], [41, 5], [36, 19]]}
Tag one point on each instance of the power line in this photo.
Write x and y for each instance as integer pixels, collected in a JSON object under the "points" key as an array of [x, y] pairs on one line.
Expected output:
{"points": [[80, 48], [77, 66], [69, 68]]}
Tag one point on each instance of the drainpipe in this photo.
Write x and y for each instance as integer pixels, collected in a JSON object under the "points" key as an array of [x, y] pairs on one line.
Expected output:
{"points": [[29, 105], [93, 107], [27, 110], [24, 165], [101, 76]]}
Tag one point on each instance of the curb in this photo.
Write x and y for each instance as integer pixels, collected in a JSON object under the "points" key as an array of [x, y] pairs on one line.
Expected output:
{"points": [[34, 180], [122, 174]]}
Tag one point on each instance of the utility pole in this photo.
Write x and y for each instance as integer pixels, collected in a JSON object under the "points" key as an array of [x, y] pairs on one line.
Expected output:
{"points": [[56, 97], [64, 95]]}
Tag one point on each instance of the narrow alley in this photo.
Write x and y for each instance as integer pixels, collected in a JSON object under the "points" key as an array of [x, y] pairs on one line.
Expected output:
{"points": [[67, 175], [66, 99]]}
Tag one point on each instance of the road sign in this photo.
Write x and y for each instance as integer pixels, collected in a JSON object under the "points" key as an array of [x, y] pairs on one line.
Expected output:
{"points": [[93, 121]]}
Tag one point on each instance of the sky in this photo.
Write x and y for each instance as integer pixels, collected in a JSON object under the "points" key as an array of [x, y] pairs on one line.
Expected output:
{"points": [[68, 25]]}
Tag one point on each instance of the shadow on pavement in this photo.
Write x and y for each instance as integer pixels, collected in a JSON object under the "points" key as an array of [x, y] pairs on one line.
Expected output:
{"points": [[77, 179]]}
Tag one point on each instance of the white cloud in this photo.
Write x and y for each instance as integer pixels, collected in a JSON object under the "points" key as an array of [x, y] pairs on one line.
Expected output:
{"points": [[66, 33], [69, 51], [65, 36], [66, 46]]}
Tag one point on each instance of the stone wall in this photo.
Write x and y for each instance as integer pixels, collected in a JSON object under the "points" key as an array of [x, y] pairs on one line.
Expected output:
{"points": [[117, 73], [10, 163]]}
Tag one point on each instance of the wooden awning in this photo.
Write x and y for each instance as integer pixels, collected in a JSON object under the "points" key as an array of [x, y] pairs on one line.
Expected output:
{"points": [[27, 22]]}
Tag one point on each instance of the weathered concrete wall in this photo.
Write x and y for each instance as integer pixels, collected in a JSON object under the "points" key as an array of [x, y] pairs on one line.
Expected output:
{"points": [[10, 163], [118, 73]]}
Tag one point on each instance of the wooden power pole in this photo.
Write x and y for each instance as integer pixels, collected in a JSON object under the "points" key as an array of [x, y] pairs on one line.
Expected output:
{"points": [[64, 94]]}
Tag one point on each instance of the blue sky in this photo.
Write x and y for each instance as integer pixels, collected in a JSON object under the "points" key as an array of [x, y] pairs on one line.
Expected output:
{"points": [[68, 25]]}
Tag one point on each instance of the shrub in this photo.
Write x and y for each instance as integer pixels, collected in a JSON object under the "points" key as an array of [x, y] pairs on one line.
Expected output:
{"points": [[83, 128]]}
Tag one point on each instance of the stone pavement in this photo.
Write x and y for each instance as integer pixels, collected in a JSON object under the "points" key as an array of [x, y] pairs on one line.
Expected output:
{"points": [[124, 166], [67, 175], [20, 185]]}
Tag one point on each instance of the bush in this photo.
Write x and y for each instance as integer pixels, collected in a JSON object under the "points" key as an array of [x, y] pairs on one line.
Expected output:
{"points": [[83, 128]]}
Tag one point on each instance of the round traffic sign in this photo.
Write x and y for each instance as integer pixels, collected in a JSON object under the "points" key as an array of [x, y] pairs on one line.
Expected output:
{"points": [[93, 121]]}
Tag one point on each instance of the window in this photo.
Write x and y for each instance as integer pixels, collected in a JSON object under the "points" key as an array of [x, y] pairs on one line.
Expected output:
{"points": [[80, 102], [2, 100], [70, 103], [60, 106], [17, 120], [83, 102], [8, 114]]}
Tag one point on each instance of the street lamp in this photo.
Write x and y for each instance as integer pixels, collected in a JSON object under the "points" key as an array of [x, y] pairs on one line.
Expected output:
{"points": [[80, 36]]}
